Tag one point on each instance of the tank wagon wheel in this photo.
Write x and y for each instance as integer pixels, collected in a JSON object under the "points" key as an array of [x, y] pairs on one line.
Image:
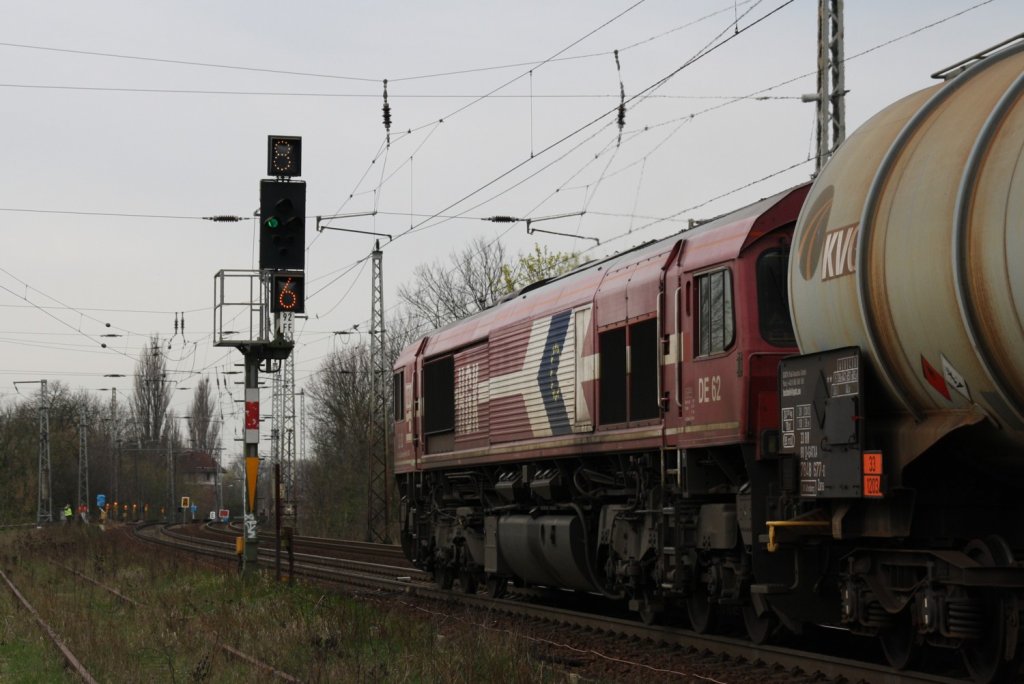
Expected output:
{"points": [[468, 581], [760, 628], [650, 610], [900, 642], [703, 613], [444, 577], [497, 587], [984, 657]]}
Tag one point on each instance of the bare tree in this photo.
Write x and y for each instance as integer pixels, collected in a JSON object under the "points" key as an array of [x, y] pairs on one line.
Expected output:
{"points": [[204, 432], [470, 281], [152, 393], [477, 278], [334, 480], [172, 430]]}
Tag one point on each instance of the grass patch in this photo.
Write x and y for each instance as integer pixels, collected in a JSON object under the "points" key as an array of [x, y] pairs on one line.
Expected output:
{"points": [[189, 609], [25, 654]]}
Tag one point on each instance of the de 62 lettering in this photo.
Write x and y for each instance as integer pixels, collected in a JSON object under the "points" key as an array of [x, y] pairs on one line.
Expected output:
{"points": [[709, 389]]}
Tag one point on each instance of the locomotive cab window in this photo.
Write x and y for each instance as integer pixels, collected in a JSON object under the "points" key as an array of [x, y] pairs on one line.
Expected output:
{"points": [[398, 396], [715, 325], [773, 298]]}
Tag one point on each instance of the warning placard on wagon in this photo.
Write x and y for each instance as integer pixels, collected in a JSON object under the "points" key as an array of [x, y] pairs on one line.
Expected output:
{"points": [[820, 402]]}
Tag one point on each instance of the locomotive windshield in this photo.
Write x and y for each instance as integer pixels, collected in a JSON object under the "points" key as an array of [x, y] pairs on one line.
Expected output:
{"points": [[773, 298]]}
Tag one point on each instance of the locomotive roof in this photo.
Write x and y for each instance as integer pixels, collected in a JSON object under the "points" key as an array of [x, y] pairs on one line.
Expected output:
{"points": [[714, 241]]}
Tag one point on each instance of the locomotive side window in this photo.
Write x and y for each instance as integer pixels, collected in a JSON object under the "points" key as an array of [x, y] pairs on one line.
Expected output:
{"points": [[715, 327], [629, 370], [773, 298], [643, 370], [612, 351], [439, 395], [398, 396]]}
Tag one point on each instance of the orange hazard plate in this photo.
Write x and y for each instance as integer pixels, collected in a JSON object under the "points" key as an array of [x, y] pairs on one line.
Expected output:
{"points": [[873, 485], [872, 462]]}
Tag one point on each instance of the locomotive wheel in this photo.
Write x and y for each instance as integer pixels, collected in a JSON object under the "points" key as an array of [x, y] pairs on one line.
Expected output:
{"points": [[703, 613], [497, 587], [408, 545], [760, 628], [900, 641], [984, 658]]}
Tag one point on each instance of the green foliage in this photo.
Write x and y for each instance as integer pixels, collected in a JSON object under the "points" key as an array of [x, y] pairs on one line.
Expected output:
{"points": [[25, 655], [535, 266]]}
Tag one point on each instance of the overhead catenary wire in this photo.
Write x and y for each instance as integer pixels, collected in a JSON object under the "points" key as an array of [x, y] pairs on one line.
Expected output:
{"points": [[758, 94], [385, 146], [366, 79], [657, 84], [671, 218]]}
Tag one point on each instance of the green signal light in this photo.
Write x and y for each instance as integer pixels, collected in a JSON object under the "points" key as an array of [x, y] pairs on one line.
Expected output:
{"points": [[272, 222]]}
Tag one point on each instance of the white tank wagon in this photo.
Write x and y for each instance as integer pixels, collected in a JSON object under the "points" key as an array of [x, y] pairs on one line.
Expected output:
{"points": [[911, 247]]}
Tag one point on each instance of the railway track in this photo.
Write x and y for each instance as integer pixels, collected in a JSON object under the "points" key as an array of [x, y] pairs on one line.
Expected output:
{"points": [[58, 642], [74, 664], [763, 663], [349, 548], [306, 563]]}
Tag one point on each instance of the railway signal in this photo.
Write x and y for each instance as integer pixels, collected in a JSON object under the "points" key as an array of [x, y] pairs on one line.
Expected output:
{"points": [[282, 225]]}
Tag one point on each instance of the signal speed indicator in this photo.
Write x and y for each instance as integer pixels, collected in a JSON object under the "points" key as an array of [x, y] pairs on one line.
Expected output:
{"points": [[288, 294]]}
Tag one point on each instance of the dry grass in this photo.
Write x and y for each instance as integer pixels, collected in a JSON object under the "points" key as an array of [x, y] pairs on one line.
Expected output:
{"points": [[189, 609]]}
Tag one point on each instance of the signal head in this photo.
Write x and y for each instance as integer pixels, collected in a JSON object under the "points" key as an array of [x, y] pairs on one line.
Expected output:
{"points": [[282, 225], [284, 155]]}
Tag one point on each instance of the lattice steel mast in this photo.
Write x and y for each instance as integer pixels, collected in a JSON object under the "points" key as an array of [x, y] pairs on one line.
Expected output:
{"points": [[286, 414], [377, 510], [115, 442], [44, 507], [83, 460], [44, 510], [830, 126]]}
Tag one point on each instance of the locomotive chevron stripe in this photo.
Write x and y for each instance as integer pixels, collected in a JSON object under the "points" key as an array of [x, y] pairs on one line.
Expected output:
{"points": [[544, 379], [547, 374]]}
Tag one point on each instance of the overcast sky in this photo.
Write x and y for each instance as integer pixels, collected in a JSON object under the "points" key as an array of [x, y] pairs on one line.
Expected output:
{"points": [[126, 122]]}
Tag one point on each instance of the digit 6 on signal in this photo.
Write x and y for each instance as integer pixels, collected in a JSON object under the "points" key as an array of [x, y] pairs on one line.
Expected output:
{"points": [[287, 293]]}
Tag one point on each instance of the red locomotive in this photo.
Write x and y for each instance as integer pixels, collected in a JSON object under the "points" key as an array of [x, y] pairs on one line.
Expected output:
{"points": [[810, 410]]}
